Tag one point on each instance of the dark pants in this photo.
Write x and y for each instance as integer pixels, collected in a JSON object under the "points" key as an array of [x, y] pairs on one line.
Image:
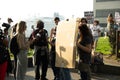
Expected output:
{"points": [[56, 70], [41, 62], [10, 66], [85, 72], [84, 75], [15, 65]]}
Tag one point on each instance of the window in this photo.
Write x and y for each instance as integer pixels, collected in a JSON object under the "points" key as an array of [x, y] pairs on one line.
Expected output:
{"points": [[104, 12], [105, 0]]}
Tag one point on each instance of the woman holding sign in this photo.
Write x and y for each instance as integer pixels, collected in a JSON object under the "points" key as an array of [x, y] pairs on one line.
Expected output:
{"points": [[84, 45]]}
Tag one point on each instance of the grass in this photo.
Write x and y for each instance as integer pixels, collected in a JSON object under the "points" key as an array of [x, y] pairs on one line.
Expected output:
{"points": [[103, 45]]}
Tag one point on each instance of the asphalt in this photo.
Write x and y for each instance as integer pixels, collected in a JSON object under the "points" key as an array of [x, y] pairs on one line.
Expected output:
{"points": [[74, 74]]}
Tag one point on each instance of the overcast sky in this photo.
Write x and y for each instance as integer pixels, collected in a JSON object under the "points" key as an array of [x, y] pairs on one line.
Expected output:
{"points": [[19, 9]]}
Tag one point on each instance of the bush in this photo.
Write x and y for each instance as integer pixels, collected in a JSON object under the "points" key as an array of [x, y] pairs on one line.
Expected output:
{"points": [[103, 45]]}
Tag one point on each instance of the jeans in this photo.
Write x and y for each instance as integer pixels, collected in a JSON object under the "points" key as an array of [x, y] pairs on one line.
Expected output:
{"points": [[22, 63], [56, 70], [65, 74]]}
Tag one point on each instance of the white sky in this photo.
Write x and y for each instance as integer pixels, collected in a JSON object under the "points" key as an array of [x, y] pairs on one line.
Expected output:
{"points": [[20, 9]]}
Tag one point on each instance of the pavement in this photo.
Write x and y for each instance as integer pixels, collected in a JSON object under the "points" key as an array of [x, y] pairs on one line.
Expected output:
{"points": [[74, 74]]}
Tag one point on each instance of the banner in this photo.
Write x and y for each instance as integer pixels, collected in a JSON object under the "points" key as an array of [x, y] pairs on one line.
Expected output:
{"points": [[117, 17]]}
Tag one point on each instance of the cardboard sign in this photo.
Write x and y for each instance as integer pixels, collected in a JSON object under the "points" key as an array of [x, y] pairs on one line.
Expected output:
{"points": [[117, 17], [66, 44]]}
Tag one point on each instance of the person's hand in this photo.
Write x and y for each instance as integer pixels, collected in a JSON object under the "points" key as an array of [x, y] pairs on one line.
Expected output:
{"points": [[77, 42]]}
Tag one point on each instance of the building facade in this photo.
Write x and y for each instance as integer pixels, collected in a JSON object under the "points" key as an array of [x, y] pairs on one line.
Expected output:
{"points": [[103, 7]]}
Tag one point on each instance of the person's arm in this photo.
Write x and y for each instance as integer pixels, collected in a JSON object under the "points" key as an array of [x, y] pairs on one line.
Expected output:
{"points": [[87, 48], [51, 33], [99, 31]]}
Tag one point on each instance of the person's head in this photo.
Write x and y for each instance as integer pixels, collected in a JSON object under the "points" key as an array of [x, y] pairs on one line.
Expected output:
{"points": [[21, 27], [83, 21], [14, 28], [96, 22], [56, 19], [6, 31], [110, 18], [9, 20], [84, 31], [40, 24]]}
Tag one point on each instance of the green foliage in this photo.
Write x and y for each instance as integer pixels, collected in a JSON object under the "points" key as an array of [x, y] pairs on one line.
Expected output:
{"points": [[103, 45], [30, 52]]}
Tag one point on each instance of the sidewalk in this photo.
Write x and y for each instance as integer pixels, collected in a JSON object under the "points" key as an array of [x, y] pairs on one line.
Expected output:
{"points": [[75, 76]]}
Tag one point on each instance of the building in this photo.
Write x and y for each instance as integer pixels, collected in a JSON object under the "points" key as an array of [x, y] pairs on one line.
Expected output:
{"points": [[103, 7]]}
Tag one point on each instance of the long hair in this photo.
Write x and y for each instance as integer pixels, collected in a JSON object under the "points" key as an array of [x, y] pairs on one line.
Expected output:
{"points": [[85, 31], [21, 27]]}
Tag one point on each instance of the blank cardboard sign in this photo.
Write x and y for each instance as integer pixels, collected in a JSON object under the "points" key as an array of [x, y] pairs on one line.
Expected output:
{"points": [[66, 44]]}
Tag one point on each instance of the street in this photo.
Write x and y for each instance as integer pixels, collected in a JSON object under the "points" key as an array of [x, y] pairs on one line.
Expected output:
{"points": [[75, 76]]}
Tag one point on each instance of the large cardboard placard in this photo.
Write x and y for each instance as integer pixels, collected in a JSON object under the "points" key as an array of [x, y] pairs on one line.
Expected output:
{"points": [[66, 44]]}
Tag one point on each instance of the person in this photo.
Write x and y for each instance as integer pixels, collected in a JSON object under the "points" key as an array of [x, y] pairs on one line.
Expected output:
{"points": [[95, 32], [84, 44], [3, 61], [53, 51], [9, 65], [8, 26], [112, 28], [13, 30], [83, 21], [9, 22], [23, 44], [13, 33], [65, 72], [6, 34], [40, 41]]}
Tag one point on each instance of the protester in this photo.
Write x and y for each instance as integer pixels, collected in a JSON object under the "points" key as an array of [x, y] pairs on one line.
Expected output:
{"points": [[95, 32], [8, 26], [4, 55], [22, 61], [83, 21], [40, 41], [13, 33], [9, 65], [56, 70], [84, 45]]}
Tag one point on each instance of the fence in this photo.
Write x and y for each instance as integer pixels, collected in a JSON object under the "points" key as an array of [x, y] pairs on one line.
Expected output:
{"points": [[117, 43]]}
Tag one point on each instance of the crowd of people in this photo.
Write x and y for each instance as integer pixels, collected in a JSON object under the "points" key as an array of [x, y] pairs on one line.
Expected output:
{"points": [[39, 41]]}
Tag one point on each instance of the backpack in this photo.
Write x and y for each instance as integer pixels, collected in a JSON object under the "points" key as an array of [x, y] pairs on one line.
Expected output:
{"points": [[14, 48]]}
